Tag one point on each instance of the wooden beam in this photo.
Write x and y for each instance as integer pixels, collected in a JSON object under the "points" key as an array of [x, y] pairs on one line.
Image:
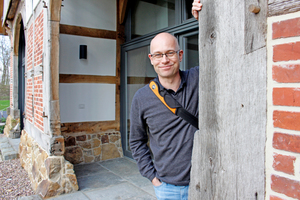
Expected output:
{"points": [[12, 10], [88, 127], [122, 10], [88, 32], [74, 78], [280, 7], [139, 80]]}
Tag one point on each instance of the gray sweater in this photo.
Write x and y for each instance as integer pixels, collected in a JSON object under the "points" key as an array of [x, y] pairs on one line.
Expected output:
{"points": [[171, 138]]}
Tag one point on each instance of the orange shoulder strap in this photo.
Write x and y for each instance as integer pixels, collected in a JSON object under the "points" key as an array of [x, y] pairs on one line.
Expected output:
{"points": [[153, 86]]}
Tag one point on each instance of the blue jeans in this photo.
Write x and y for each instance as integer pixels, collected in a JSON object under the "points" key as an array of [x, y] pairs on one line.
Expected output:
{"points": [[171, 192]]}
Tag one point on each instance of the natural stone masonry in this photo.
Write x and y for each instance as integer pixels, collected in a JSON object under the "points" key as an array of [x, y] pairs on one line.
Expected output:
{"points": [[50, 175], [11, 128], [92, 147]]}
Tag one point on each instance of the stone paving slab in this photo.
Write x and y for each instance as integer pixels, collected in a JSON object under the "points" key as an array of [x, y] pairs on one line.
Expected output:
{"points": [[112, 179], [121, 191], [72, 196]]}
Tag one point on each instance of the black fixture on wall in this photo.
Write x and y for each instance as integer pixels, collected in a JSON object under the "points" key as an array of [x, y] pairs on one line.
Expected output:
{"points": [[82, 51]]}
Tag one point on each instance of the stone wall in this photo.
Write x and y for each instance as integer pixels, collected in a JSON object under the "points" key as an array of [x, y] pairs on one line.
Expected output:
{"points": [[83, 147], [49, 175], [12, 129]]}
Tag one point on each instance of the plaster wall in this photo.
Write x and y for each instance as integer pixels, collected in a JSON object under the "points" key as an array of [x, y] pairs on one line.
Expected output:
{"points": [[99, 14], [81, 102], [88, 102], [101, 56]]}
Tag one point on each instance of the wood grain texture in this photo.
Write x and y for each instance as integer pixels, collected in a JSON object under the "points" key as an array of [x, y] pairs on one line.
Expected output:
{"points": [[280, 7], [74, 78], [88, 32], [228, 154]]}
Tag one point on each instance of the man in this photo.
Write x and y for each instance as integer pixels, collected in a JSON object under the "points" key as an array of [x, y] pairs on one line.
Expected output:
{"points": [[171, 137]]}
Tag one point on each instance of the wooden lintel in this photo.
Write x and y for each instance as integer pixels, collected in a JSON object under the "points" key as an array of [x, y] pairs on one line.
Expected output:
{"points": [[74, 78], [139, 80], [122, 10], [89, 127], [88, 32]]}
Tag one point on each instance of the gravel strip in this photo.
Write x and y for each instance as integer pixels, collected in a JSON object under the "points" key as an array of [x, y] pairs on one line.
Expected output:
{"points": [[14, 181]]}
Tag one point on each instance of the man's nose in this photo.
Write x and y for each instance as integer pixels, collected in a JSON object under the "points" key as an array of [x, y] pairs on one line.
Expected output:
{"points": [[165, 58]]}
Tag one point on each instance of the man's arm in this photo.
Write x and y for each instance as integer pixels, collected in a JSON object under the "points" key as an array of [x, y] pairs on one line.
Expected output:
{"points": [[197, 6], [138, 142]]}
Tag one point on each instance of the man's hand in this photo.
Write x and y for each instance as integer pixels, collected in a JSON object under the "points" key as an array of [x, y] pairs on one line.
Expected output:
{"points": [[197, 6], [156, 182]]}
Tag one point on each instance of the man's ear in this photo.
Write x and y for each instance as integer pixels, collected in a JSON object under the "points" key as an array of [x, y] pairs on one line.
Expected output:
{"points": [[180, 55], [150, 57]]}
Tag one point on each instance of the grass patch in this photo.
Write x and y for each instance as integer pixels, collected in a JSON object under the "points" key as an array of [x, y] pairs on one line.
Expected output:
{"points": [[4, 104]]}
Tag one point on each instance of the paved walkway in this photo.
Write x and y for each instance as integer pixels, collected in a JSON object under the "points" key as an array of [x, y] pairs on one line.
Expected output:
{"points": [[105, 180]]}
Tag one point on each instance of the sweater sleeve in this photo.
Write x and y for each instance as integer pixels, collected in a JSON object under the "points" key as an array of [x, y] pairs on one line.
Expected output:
{"points": [[138, 141]]}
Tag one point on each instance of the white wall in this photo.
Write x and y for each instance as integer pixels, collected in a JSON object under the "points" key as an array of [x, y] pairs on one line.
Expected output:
{"points": [[82, 102], [100, 14], [101, 56]]}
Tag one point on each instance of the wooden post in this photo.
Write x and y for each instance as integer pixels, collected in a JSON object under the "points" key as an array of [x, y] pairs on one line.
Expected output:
{"points": [[228, 156]]}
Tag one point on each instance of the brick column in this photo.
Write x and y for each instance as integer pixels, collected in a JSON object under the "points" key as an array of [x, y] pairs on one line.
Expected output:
{"points": [[283, 144]]}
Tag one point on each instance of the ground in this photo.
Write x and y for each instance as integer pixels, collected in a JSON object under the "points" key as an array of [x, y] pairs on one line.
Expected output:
{"points": [[14, 180]]}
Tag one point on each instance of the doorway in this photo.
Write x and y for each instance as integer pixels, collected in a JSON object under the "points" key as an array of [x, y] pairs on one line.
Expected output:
{"points": [[137, 71], [21, 76]]}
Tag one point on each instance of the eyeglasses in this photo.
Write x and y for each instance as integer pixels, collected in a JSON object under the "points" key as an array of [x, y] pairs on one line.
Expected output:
{"points": [[159, 56]]}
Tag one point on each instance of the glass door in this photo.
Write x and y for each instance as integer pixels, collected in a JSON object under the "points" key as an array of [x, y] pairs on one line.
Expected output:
{"points": [[137, 73]]}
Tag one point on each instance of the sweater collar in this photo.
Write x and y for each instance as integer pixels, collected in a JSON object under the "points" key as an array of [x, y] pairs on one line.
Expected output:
{"points": [[183, 77]]}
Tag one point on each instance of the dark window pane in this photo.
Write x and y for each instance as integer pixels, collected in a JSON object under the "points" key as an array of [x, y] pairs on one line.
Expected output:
{"points": [[151, 15], [188, 9]]}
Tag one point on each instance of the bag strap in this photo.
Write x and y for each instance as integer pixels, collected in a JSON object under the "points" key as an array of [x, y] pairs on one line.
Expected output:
{"points": [[174, 106]]}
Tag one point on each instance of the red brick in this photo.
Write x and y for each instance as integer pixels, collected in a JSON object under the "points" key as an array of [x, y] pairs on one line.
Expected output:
{"points": [[275, 198], [286, 73], [287, 28], [285, 186], [286, 142], [284, 163], [286, 96], [286, 120], [286, 52]]}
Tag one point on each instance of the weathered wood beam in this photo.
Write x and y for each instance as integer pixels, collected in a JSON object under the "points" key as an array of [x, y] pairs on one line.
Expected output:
{"points": [[139, 80], [122, 10], [74, 78], [279, 7], [12, 10], [88, 127], [88, 32]]}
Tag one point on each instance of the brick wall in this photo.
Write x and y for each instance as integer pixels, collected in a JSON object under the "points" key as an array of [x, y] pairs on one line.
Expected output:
{"points": [[29, 80], [38, 39], [283, 145], [38, 102], [34, 91]]}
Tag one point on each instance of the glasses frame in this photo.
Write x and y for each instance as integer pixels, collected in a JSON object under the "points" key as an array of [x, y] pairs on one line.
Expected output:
{"points": [[162, 55]]}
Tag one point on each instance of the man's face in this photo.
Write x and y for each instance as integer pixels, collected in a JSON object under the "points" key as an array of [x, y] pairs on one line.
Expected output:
{"points": [[165, 67]]}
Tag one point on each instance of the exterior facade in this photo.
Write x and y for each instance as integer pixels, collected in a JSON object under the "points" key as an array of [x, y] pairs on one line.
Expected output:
{"points": [[71, 109]]}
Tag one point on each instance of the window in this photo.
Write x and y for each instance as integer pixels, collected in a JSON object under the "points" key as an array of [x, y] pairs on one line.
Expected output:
{"points": [[146, 18]]}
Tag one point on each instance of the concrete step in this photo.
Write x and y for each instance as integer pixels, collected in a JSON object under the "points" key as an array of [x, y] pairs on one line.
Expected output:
{"points": [[8, 150]]}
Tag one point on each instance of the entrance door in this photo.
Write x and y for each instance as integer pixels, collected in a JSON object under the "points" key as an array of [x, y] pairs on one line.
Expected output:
{"points": [[137, 71], [144, 19], [21, 76]]}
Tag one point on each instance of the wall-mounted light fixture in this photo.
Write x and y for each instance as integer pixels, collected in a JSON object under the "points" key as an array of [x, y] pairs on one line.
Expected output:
{"points": [[82, 52]]}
